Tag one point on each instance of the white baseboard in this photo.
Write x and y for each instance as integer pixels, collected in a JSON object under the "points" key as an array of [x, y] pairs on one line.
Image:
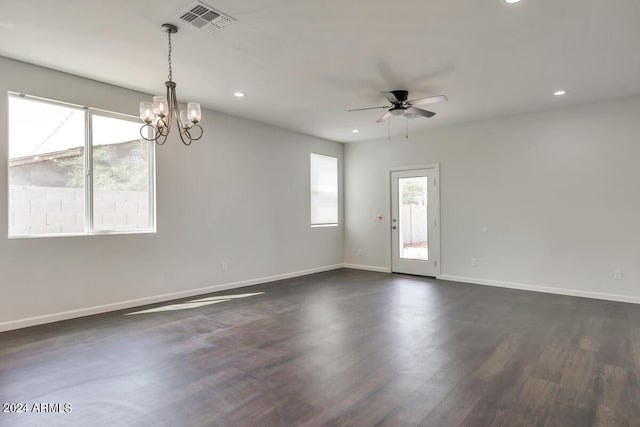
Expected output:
{"points": [[544, 289], [66, 315], [367, 268], [72, 314]]}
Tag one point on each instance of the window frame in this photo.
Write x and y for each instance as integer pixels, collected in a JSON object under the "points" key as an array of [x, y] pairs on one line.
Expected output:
{"points": [[89, 229], [328, 224]]}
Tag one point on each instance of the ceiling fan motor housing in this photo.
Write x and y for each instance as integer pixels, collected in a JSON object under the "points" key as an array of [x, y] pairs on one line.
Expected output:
{"points": [[401, 95]]}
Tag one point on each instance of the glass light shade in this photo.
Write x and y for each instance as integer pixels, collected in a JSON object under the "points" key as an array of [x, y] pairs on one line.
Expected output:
{"points": [[146, 112], [184, 119], [160, 105], [195, 114]]}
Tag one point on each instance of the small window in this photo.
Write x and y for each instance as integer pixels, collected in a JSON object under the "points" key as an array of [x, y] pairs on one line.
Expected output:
{"points": [[77, 171], [324, 190]]}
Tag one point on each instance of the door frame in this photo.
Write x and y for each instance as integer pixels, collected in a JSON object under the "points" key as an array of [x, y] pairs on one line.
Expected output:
{"points": [[436, 168]]}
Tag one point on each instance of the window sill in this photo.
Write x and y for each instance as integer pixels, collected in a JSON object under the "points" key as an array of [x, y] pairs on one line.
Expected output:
{"points": [[324, 225], [95, 233]]}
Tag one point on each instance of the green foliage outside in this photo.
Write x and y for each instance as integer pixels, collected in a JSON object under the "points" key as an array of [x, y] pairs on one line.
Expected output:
{"points": [[121, 167], [413, 191]]}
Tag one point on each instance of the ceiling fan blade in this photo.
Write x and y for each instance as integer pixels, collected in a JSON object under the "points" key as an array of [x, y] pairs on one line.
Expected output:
{"points": [[419, 112], [428, 100], [391, 97], [369, 108], [384, 117]]}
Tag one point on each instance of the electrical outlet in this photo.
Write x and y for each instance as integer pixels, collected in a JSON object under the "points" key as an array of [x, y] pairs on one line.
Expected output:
{"points": [[359, 252], [224, 266], [474, 262], [617, 274]]}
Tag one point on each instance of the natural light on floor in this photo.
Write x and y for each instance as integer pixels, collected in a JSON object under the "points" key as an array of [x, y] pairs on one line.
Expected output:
{"points": [[195, 303]]}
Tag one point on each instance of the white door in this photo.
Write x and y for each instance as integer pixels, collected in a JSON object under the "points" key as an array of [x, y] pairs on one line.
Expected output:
{"points": [[415, 231]]}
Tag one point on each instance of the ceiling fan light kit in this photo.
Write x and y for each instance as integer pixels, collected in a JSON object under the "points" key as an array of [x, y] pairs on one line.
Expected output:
{"points": [[159, 115]]}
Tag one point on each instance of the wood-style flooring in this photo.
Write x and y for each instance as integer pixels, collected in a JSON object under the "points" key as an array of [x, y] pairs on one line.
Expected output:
{"points": [[344, 347]]}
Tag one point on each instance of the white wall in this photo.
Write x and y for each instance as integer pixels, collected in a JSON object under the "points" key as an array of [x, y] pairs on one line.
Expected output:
{"points": [[239, 164], [559, 192]]}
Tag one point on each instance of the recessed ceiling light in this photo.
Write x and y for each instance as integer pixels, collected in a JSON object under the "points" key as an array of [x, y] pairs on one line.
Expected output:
{"points": [[560, 92], [239, 94], [356, 131]]}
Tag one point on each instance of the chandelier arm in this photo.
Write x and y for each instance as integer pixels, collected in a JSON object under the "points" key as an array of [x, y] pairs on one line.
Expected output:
{"points": [[182, 126], [165, 128], [195, 125], [159, 135], [162, 132], [161, 139], [147, 125], [173, 104], [185, 132]]}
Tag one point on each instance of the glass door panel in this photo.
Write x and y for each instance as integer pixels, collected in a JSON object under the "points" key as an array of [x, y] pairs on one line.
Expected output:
{"points": [[414, 231]]}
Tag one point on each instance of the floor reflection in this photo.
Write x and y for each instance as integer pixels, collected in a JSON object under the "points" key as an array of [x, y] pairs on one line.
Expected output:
{"points": [[195, 303]]}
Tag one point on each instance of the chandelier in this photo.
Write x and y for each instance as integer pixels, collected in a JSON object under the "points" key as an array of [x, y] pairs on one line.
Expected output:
{"points": [[159, 114]]}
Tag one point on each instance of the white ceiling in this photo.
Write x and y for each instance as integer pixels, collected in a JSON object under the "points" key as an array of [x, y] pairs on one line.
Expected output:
{"points": [[304, 63]]}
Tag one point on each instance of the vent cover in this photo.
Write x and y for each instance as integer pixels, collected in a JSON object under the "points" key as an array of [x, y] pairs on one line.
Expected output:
{"points": [[205, 17]]}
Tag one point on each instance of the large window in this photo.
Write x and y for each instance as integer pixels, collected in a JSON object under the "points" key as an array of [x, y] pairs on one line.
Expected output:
{"points": [[324, 190], [76, 170]]}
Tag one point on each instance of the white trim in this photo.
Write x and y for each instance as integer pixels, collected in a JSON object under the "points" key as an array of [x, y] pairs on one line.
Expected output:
{"points": [[414, 167], [368, 268], [543, 289], [72, 314], [82, 312]]}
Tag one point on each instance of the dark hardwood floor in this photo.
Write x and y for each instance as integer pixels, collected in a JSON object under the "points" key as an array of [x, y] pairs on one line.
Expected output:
{"points": [[339, 348]]}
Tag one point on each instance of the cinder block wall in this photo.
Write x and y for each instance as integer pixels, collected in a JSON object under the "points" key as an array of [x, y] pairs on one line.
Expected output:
{"points": [[54, 210]]}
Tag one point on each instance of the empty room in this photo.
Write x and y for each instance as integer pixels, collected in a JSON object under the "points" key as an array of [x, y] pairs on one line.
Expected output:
{"points": [[319, 213]]}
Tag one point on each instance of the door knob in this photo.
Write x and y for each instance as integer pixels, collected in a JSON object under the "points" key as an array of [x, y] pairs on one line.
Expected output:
{"points": [[394, 227]]}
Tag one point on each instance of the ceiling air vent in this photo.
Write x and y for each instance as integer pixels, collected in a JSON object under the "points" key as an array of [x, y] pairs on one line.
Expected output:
{"points": [[205, 17]]}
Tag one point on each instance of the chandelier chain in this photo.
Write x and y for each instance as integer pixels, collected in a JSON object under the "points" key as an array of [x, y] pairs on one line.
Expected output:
{"points": [[170, 70]]}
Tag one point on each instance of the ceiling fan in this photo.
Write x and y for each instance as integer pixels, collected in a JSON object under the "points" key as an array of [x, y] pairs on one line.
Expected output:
{"points": [[402, 106]]}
